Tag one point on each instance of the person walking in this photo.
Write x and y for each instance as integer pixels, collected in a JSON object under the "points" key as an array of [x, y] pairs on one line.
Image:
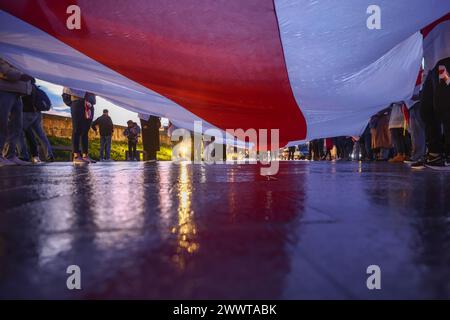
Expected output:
{"points": [[106, 127], [32, 125], [13, 85], [82, 111]]}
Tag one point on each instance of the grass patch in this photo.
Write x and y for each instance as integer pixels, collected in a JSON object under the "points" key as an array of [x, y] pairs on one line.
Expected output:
{"points": [[118, 149]]}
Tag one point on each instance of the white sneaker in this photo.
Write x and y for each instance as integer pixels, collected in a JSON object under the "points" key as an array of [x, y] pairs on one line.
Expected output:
{"points": [[19, 162], [5, 162], [36, 160]]}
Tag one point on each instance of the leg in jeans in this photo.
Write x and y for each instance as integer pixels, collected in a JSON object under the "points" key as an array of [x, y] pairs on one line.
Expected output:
{"points": [[29, 134], [22, 147], [14, 127], [40, 133], [77, 113], [102, 147], [7, 101], [108, 147]]}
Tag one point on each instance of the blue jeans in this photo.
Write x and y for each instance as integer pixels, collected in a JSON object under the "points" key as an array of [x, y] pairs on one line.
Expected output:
{"points": [[32, 128], [105, 147], [10, 122]]}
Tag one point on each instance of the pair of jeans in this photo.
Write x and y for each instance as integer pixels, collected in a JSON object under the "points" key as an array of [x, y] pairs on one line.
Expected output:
{"points": [[80, 127], [32, 129], [10, 122], [105, 147], [132, 154], [399, 140]]}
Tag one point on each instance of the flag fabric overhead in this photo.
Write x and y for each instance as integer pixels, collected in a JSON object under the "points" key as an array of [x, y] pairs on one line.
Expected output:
{"points": [[311, 69]]}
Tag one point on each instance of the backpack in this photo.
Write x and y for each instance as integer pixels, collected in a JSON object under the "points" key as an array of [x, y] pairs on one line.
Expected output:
{"points": [[41, 101]]}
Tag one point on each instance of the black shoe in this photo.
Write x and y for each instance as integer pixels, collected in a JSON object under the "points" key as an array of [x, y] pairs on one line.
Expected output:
{"points": [[51, 159], [429, 161], [434, 161], [419, 164]]}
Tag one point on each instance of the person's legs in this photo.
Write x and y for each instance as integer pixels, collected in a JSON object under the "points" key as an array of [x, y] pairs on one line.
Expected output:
{"points": [[85, 136], [417, 133], [15, 126], [108, 147], [30, 137], [394, 138], [102, 148], [442, 105], [7, 101], [22, 147], [433, 131], [76, 111], [134, 150], [42, 136], [130, 152]]}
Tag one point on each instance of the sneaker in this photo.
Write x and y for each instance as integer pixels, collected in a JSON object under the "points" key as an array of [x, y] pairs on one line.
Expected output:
{"points": [[51, 159], [419, 164], [5, 162], [434, 161], [36, 160], [19, 162], [429, 161]]}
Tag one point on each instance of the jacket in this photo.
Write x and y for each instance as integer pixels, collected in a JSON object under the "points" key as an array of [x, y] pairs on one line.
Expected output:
{"points": [[11, 79], [105, 125], [132, 133]]}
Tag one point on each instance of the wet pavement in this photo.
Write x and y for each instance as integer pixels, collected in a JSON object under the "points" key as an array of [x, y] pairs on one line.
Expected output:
{"points": [[177, 231]]}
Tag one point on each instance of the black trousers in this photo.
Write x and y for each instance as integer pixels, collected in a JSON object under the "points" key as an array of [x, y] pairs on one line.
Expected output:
{"points": [[80, 127], [399, 140], [132, 154], [435, 110]]}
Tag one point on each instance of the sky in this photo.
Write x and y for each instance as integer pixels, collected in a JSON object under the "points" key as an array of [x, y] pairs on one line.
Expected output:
{"points": [[119, 115]]}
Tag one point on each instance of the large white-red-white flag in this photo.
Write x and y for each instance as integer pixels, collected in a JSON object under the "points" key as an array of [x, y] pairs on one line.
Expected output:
{"points": [[308, 68]]}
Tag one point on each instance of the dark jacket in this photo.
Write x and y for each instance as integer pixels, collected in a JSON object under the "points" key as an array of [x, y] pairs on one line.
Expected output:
{"points": [[132, 133], [105, 124]]}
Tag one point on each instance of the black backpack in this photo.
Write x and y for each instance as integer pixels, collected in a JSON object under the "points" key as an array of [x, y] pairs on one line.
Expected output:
{"points": [[41, 101]]}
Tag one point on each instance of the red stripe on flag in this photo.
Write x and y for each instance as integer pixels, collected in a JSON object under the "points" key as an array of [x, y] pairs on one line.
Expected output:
{"points": [[221, 60], [426, 31]]}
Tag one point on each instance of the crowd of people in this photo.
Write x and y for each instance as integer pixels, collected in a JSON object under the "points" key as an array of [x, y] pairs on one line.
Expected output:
{"points": [[23, 140], [21, 104], [415, 131]]}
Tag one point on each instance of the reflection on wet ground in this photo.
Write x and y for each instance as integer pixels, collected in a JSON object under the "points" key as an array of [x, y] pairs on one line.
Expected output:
{"points": [[167, 230]]}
